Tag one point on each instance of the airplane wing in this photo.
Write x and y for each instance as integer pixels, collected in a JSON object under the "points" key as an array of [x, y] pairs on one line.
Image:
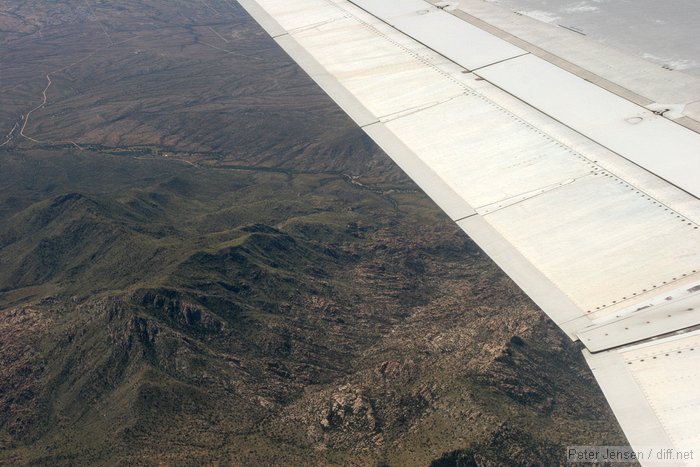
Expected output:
{"points": [[574, 166]]}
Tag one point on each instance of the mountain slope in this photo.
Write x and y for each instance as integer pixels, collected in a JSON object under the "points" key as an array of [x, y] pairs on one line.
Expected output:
{"points": [[202, 260]]}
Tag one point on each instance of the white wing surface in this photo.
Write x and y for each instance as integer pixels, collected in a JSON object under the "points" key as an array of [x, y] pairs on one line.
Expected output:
{"points": [[574, 166]]}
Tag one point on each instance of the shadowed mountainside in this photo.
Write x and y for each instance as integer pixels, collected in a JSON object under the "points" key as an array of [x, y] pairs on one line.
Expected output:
{"points": [[203, 260]]}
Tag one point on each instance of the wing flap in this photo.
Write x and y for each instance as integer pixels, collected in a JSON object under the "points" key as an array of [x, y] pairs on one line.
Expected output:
{"points": [[652, 388]]}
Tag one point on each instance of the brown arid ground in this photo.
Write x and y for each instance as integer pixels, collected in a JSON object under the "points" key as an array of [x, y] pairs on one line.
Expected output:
{"points": [[203, 261]]}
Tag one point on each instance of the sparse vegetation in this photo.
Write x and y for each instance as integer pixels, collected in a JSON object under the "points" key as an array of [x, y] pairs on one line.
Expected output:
{"points": [[203, 260]]}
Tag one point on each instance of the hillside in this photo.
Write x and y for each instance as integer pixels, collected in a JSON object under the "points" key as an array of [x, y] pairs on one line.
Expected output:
{"points": [[203, 260]]}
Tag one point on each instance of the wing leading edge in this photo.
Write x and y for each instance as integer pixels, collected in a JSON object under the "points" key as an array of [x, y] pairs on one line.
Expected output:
{"points": [[577, 187]]}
